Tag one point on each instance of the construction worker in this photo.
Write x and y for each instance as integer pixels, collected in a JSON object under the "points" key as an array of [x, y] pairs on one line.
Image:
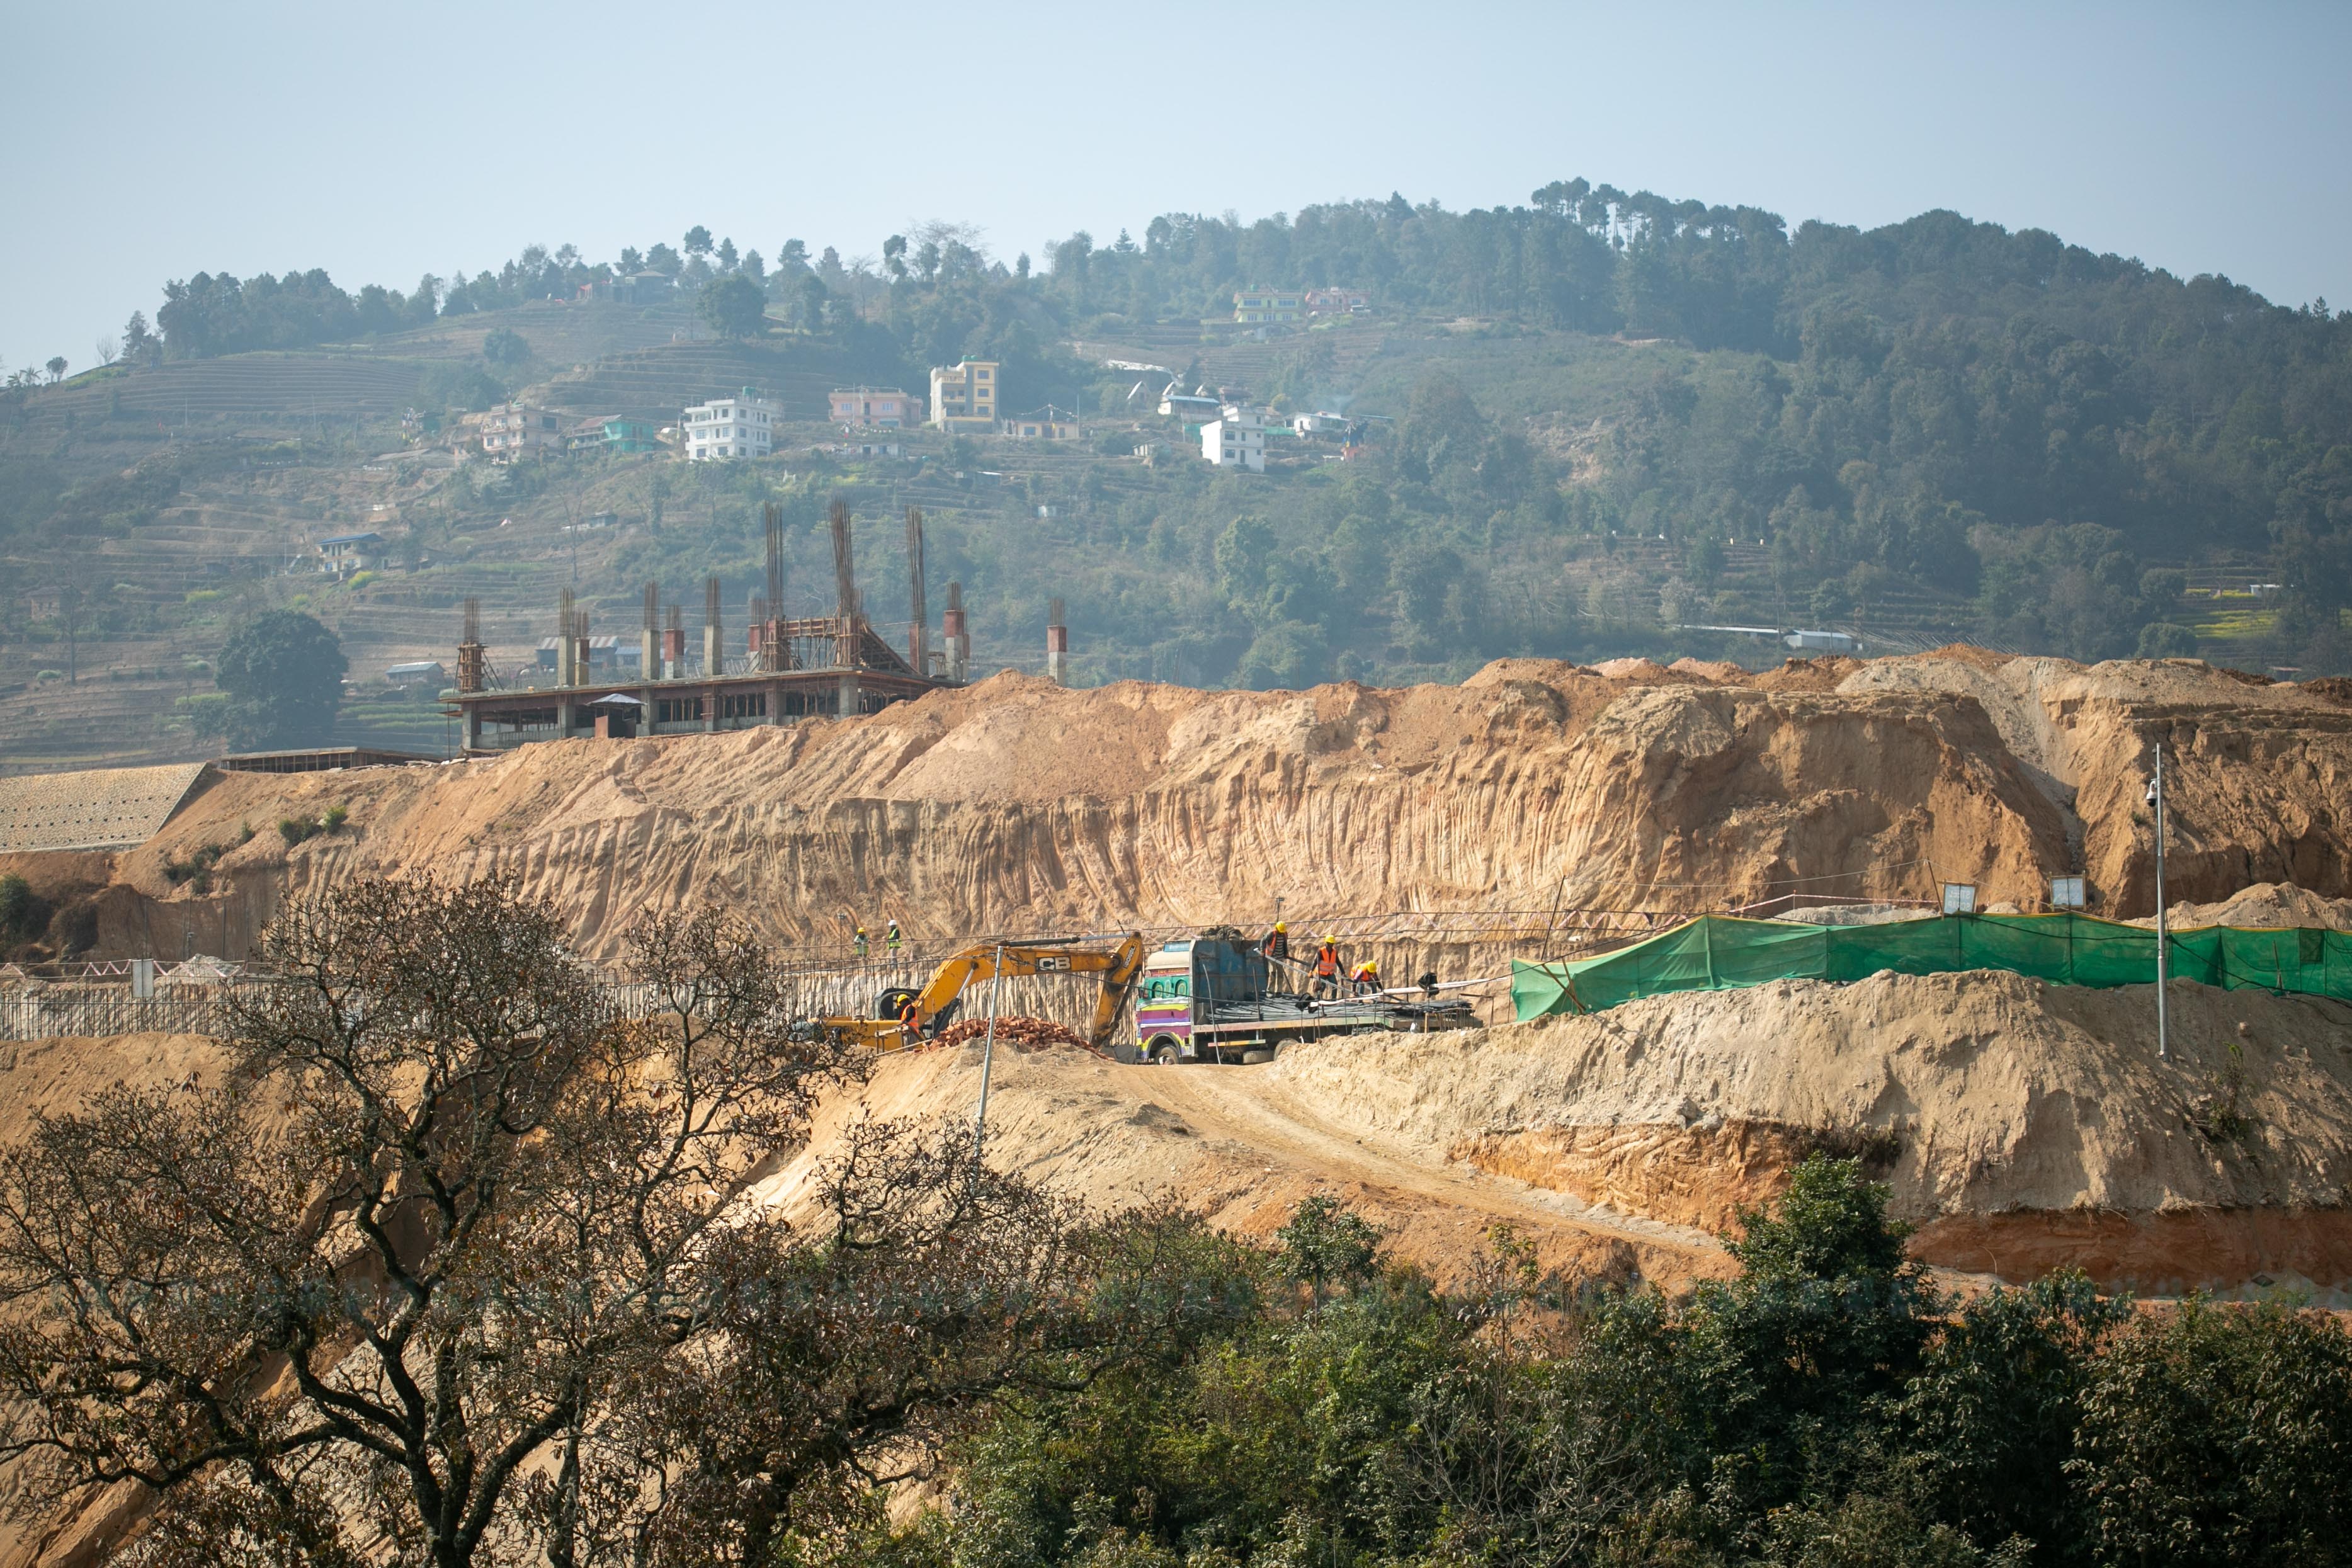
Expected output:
{"points": [[910, 1020], [1365, 977], [1277, 945], [1326, 981], [857, 945], [891, 939]]}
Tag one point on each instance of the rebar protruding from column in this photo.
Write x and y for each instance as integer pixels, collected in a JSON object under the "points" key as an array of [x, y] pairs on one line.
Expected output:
{"points": [[473, 665], [953, 632], [846, 639], [714, 655], [918, 638], [649, 636], [564, 646]]}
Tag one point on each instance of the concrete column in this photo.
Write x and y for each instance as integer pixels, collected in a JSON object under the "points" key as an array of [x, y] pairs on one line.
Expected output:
{"points": [[710, 703], [649, 655], [714, 661]]}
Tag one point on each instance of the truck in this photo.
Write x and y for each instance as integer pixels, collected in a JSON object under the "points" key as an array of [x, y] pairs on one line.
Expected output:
{"points": [[1213, 998]]}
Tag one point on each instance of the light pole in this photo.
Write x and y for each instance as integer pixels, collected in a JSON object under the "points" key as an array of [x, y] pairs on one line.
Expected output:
{"points": [[987, 1060], [2163, 937]]}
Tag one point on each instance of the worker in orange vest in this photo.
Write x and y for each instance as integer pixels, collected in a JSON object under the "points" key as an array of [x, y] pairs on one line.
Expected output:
{"points": [[1327, 970], [1367, 977], [910, 1020]]}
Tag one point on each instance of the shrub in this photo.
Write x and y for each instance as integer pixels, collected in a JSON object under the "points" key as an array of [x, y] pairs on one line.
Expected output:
{"points": [[2163, 640], [23, 913]]}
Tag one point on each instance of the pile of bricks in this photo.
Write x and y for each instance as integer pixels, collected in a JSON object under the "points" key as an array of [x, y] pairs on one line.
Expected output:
{"points": [[1021, 1034]]}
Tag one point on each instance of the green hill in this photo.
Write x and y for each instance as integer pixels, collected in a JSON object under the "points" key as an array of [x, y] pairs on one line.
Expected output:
{"points": [[1600, 416]]}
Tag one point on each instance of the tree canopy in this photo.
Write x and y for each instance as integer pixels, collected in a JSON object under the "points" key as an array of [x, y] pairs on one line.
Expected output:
{"points": [[283, 672]]}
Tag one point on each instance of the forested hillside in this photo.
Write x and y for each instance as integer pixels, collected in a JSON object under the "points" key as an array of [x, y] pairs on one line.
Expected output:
{"points": [[1600, 415]]}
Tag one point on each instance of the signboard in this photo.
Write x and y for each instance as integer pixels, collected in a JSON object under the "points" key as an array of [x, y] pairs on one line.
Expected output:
{"points": [[2066, 893], [1959, 897]]}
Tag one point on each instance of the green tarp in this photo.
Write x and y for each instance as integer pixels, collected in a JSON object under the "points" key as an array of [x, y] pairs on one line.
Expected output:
{"points": [[1718, 952]]}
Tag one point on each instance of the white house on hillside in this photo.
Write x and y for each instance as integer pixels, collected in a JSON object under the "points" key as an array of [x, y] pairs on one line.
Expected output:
{"points": [[726, 428], [1237, 440]]}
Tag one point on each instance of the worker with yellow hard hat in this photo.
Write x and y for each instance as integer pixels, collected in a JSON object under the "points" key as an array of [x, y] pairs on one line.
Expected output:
{"points": [[1326, 981], [1367, 977]]}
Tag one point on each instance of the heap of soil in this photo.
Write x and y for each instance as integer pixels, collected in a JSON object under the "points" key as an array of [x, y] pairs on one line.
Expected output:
{"points": [[2263, 904], [1017, 804], [2021, 1126]]}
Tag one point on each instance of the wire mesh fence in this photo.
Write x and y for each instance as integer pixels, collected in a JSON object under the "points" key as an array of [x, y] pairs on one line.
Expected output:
{"points": [[91, 1008], [114, 997]]}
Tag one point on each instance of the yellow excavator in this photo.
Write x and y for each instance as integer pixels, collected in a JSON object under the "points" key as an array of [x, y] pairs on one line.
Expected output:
{"points": [[1117, 958]]}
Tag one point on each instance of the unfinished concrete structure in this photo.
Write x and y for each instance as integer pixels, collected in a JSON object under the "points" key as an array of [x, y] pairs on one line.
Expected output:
{"points": [[792, 668]]}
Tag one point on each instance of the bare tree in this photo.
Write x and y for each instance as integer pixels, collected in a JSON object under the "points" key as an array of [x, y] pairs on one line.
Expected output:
{"points": [[107, 349], [445, 1204], [461, 1264]]}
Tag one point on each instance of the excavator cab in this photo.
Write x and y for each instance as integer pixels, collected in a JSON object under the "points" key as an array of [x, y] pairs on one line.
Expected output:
{"points": [[891, 1001]]}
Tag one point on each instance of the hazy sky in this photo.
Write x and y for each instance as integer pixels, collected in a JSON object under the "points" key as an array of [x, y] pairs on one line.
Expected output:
{"points": [[152, 142]]}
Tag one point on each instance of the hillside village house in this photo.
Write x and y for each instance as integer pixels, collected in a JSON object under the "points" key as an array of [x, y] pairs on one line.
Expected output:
{"points": [[963, 398], [726, 428], [1235, 441], [1192, 407], [1338, 303], [347, 553], [636, 288], [883, 408], [1257, 307], [611, 433], [1048, 424], [520, 430]]}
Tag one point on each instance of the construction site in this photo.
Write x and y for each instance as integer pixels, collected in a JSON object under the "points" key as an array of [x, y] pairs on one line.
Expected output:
{"points": [[1639, 938], [791, 667]]}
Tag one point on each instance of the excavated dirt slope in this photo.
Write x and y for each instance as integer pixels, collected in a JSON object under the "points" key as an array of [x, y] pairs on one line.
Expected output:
{"points": [[1534, 786], [2021, 1126]]}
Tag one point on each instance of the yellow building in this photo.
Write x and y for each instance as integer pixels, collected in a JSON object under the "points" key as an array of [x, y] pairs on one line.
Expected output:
{"points": [[963, 398], [1254, 307]]}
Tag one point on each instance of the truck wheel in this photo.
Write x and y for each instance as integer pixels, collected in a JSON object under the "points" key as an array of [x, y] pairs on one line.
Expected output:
{"points": [[1256, 1055], [1164, 1053]]}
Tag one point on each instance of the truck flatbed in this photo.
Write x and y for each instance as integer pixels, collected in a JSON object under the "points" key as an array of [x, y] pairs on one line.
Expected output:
{"points": [[1293, 1013]]}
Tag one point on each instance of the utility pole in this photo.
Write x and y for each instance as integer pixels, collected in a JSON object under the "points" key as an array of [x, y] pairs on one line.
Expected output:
{"points": [[2163, 932], [987, 1058]]}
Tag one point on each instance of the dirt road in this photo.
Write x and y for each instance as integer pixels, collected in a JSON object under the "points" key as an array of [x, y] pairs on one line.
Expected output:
{"points": [[1232, 1143]]}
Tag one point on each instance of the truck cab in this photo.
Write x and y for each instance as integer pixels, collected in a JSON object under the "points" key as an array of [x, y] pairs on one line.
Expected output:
{"points": [[1186, 987]]}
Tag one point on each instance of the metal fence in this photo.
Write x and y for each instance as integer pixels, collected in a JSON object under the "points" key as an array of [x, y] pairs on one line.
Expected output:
{"points": [[1457, 945], [85, 1009]]}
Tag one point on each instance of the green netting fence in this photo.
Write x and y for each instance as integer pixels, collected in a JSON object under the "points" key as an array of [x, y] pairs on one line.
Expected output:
{"points": [[1718, 953]]}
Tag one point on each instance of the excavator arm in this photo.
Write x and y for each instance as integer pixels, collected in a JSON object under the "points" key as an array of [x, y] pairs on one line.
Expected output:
{"points": [[985, 961]]}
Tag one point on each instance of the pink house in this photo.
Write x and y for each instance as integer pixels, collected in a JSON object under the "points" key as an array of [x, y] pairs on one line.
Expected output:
{"points": [[885, 407]]}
